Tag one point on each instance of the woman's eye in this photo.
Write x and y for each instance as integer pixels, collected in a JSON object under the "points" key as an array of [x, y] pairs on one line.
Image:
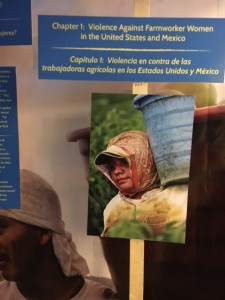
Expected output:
{"points": [[111, 168]]}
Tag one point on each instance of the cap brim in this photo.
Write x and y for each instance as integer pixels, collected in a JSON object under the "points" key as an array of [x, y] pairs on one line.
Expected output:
{"points": [[104, 157]]}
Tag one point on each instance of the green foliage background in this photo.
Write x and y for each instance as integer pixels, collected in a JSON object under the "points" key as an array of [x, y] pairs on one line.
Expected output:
{"points": [[111, 115]]}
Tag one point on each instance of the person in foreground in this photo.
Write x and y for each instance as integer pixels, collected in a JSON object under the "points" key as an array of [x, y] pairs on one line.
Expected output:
{"points": [[129, 164], [38, 259]]}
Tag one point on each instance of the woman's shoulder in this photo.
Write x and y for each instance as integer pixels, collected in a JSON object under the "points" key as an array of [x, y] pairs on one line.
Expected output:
{"points": [[115, 200], [112, 204]]}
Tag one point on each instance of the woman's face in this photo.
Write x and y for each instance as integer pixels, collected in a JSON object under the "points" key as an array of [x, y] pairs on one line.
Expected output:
{"points": [[120, 174]]}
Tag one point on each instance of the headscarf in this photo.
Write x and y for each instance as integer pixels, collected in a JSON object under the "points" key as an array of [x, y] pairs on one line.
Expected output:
{"points": [[134, 147], [40, 206]]}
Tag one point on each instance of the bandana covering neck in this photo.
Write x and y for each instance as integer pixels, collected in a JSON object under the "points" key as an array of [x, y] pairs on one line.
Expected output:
{"points": [[40, 206]]}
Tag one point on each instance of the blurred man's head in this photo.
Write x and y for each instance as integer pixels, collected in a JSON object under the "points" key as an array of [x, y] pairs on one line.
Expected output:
{"points": [[27, 233]]}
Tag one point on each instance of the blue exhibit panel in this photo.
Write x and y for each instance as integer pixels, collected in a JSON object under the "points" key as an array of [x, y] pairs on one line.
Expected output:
{"points": [[15, 22], [131, 49], [9, 141]]}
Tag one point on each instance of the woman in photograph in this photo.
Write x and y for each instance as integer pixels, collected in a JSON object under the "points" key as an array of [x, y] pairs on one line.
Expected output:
{"points": [[142, 208]]}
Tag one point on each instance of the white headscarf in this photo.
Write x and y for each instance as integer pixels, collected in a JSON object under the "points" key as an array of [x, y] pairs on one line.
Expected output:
{"points": [[40, 206]]}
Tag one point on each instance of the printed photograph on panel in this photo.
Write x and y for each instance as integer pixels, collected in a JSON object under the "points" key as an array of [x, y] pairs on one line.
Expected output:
{"points": [[140, 147]]}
